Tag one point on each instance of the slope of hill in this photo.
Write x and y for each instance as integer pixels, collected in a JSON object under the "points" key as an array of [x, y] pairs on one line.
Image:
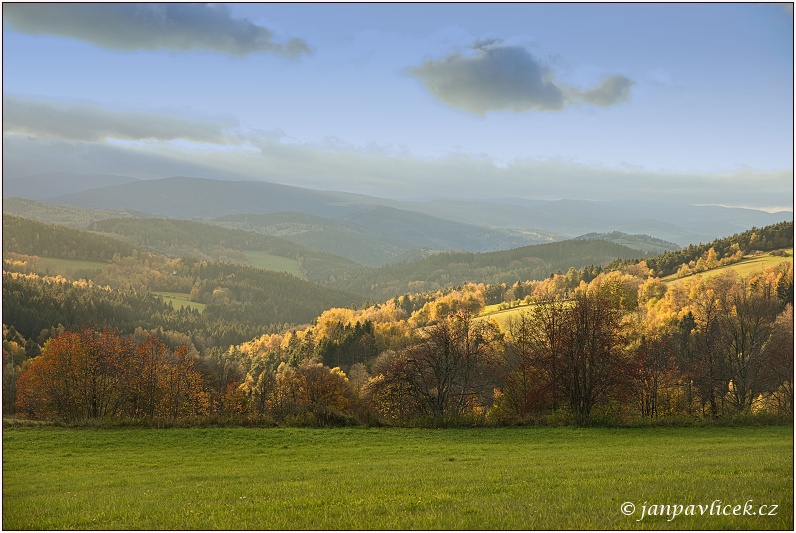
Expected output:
{"points": [[512, 222], [746, 266], [190, 198], [29, 237], [451, 269], [181, 197], [185, 238], [427, 231], [72, 217], [239, 301], [645, 243], [679, 223], [338, 237], [44, 186], [765, 239]]}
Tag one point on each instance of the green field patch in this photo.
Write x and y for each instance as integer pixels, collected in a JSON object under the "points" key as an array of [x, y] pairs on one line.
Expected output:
{"points": [[502, 315], [277, 263], [744, 268], [179, 299], [389, 478], [68, 267]]}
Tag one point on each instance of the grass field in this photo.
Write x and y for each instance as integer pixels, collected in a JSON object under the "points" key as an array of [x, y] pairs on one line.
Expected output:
{"points": [[179, 299], [746, 267], [278, 263], [67, 267], [502, 316], [356, 478]]}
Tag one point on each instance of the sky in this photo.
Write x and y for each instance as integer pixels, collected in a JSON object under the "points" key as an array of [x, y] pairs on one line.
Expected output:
{"points": [[677, 102]]}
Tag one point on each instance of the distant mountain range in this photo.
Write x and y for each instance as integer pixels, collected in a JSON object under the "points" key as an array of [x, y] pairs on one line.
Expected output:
{"points": [[375, 231], [45, 186]]}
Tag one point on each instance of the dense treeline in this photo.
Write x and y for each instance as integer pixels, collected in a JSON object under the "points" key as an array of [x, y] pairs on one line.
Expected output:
{"points": [[452, 269], [24, 236], [773, 237], [622, 347]]}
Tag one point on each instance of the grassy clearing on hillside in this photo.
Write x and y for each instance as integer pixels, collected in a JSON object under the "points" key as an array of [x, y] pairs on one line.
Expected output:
{"points": [[68, 267], [277, 263], [179, 299], [746, 267], [502, 316], [356, 478]]}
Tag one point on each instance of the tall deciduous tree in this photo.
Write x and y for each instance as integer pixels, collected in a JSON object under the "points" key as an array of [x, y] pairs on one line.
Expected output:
{"points": [[451, 368], [592, 354]]}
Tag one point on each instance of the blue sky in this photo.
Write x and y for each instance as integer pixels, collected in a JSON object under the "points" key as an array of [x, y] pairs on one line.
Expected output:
{"points": [[690, 102]]}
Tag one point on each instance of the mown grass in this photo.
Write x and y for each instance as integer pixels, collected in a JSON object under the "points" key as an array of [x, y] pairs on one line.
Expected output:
{"points": [[179, 299], [387, 478], [277, 263]]}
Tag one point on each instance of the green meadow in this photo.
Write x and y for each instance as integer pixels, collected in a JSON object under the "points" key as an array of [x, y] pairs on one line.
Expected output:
{"points": [[277, 263], [503, 316], [180, 299], [68, 267], [747, 266], [388, 478]]}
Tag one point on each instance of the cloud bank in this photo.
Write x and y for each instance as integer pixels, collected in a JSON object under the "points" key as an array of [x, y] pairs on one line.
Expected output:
{"points": [[42, 137], [79, 122], [129, 27], [379, 173], [508, 78]]}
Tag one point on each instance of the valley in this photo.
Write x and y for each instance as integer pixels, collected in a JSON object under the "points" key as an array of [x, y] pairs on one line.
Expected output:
{"points": [[257, 299]]}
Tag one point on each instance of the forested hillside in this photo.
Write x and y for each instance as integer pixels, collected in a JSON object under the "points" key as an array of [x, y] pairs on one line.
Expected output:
{"points": [[73, 217], [272, 347], [184, 238], [355, 242], [24, 236], [645, 243], [766, 239], [451, 269]]}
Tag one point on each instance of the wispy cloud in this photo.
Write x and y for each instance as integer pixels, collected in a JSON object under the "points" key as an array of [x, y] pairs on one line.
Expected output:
{"points": [[127, 26], [611, 91], [47, 119], [497, 77]]}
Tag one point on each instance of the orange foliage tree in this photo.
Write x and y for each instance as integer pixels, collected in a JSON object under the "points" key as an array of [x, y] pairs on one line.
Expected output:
{"points": [[88, 374]]}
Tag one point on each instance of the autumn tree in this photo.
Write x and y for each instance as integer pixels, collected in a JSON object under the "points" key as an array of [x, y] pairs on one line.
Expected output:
{"points": [[533, 359], [746, 325], [451, 367], [702, 360], [777, 372], [592, 353]]}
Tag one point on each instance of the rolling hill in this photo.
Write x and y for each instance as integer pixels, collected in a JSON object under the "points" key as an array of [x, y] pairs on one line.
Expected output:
{"points": [[454, 268]]}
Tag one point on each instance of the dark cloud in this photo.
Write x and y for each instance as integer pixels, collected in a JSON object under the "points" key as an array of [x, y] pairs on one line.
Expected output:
{"points": [[125, 26], [39, 118], [495, 78], [508, 78]]}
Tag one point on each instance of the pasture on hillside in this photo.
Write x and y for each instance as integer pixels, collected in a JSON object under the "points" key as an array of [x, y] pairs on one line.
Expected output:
{"points": [[389, 478], [180, 299], [749, 265], [73, 268], [276, 263]]}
